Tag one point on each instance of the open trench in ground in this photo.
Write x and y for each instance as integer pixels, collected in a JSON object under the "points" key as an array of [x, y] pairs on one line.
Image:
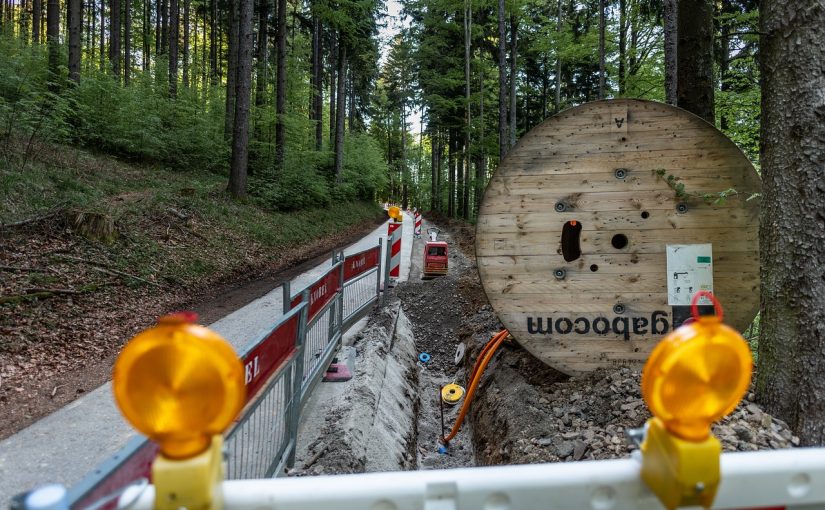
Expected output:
{"points": [[388, 416]]}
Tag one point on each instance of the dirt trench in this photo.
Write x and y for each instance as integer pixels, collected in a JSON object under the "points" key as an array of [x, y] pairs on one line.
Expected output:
{"points": [[523, 411]]}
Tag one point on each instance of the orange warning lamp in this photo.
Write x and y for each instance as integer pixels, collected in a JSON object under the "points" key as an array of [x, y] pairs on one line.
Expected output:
{"points": [[394, 212], [697, 374], [179, 384]]}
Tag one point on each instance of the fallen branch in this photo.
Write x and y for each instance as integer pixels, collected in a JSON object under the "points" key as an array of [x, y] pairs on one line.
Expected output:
{"points": [[23, 269], [38, 290], [107, 268], [54, 211]]}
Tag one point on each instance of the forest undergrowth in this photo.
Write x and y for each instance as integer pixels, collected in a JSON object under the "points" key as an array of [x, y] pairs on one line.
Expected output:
{"points": [[93, 249]]}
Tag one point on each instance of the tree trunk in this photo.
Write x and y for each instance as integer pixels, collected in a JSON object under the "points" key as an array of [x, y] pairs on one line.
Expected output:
{"points": [[792, 252], [204, 57], [622, 46], [453, 143], [158, 16], [433, 169], [601, 49], [114, 38], [671, 14], [723, 56], [102, 35], [213, 42], [468, 13], [333, 55], [280, 88], [240, 131], [513, 76], [231, 72], [164, 27], [127, 41], [502, 84], [37, 15], [694, 68], [481, 166], [186, 8], [74, 40], [317, 83], [340, 113], [404, 177], [53, 39], [558, 61], [174, 38], [146, 57], [263, 45], [93, 34]]}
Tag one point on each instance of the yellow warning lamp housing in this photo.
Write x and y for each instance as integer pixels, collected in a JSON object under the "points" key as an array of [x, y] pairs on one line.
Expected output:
{"points": [[695, 376], [179, 384], [395, 213]]}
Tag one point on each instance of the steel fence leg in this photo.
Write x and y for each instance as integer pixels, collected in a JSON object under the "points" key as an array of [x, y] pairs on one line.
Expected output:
{"points": [[387, 259], [287, 296], [378, 276], [297, 380]]}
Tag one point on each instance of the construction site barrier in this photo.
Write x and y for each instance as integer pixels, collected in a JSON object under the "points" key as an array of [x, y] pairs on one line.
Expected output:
{"points": [[281, 369], [768, 480]]}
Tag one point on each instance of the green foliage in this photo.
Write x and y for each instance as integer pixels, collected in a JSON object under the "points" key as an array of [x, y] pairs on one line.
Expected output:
{"points": [[365, 169]]}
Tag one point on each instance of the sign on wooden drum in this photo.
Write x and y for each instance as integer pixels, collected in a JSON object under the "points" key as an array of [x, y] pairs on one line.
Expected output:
{"points": [[602, 223]]}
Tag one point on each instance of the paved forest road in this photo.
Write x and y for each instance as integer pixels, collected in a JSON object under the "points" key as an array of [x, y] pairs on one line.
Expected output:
{"points": [[66, 445]]}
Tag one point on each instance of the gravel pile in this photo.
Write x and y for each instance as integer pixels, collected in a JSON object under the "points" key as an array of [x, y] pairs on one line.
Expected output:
{"points": [[586, 418]]}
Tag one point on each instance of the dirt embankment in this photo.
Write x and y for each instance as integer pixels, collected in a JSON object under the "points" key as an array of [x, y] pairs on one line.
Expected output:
{"points": [[527, 412], [56, 347]]}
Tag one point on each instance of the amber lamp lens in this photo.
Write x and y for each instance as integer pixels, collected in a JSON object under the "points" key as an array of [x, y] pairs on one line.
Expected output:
{"points": [[695, 376], [394, 212], [179, 384]]}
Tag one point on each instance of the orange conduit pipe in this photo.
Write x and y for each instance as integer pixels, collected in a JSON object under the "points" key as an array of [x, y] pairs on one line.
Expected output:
{"points": [[484, 358]]}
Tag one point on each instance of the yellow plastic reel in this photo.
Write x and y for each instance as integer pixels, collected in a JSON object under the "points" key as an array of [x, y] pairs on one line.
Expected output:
{"points": [[452, 393]]}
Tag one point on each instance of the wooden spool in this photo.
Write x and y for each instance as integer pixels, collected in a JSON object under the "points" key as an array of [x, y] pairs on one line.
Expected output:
{"points": [[605, 166]]}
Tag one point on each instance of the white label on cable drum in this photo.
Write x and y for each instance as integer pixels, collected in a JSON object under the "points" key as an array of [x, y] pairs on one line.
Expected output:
{"points": [[689, 270]]}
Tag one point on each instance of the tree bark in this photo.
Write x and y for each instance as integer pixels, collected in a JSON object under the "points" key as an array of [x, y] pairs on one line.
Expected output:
{"points": [[481, 166], [601, 49], [231, 71], [671, 14], [502, 84], [114, 38], [468, 13], [263, 45], [158, 45], [164, 27], [513, 76], [53, 39], [74, 39], [433, 169], [146, 57], [240, 131], [317, 99], [558, 61], [102, 35], [174, 38], [451, 169], [186, 8], [333, 66], [127, 41], [694, 68], [280, 88], [213, 42], [340, 113], [789, 381], [37, 15], [622, 46]]}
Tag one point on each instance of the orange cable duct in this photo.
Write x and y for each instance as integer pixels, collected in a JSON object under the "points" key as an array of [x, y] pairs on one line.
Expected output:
{"points": [[484, 358]]}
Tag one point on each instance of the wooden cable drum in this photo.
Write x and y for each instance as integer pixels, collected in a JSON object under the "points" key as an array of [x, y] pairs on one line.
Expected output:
{"points": [[602, 223]]}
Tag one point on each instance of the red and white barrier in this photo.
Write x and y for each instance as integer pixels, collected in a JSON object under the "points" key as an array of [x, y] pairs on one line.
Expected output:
{"points": [[417, 230], [394, 230]]}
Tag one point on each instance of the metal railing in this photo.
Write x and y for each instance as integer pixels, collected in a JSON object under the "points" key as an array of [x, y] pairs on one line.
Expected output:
{"points": [[281, 369]]}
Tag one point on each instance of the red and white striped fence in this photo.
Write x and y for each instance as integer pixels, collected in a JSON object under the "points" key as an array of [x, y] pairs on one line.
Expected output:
{"points": [[394, 231], [417, 230]]}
